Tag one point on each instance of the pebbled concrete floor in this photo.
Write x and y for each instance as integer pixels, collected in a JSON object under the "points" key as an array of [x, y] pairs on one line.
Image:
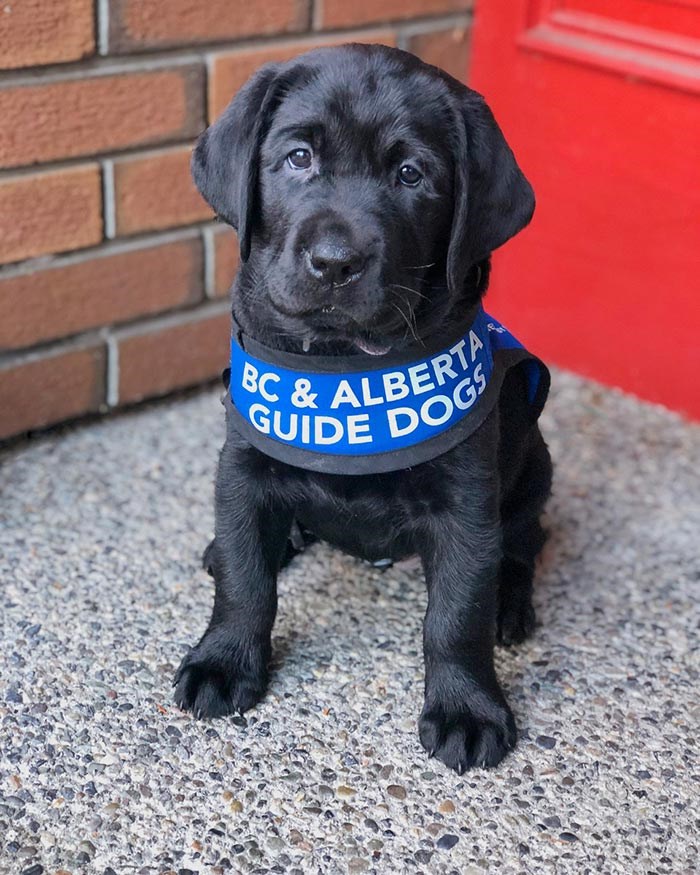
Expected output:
{"points": [[101, 527]]}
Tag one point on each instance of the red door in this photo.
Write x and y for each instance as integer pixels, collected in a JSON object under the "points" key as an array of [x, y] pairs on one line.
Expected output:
{"points": [[600, 100]]}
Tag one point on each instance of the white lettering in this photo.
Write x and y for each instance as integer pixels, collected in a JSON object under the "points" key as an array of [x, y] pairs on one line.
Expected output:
{"points": [[335, 424], [293, 426], [250, 377], [427, 416], [358, 428], [344, 395], [464, 403], [443, 365], [418, 375], [367, 394], [424, 377], [480, 378], [266, 378], [399, 431], [395, 387], [458, 350], [475, 343], [262, 423]]}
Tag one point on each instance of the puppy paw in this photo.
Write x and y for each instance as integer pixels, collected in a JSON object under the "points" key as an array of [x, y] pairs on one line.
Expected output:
{"points": [[516, 621], [462, 740], [210, 688]]}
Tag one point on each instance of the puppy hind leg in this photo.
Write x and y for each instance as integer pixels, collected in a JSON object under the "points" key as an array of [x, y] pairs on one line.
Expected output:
{"points": [[523, 539], [299, 539], [208, 557], [516, 614]]}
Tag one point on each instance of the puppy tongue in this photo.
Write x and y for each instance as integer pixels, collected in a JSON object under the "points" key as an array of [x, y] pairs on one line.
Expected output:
{"points": [[372, 348]]}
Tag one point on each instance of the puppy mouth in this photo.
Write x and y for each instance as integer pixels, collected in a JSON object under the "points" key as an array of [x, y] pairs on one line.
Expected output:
{"points": [[329, 321], [363, 341]]}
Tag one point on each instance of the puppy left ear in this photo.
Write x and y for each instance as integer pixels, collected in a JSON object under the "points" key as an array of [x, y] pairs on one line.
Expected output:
{"points": [[492, 198], [225, 159]]}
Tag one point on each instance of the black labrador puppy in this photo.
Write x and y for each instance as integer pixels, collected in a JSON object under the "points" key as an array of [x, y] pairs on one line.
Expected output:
{"points": [[368, 190]]}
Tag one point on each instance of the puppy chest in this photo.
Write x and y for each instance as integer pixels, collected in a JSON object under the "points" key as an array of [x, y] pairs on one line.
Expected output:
{"points": [[372, 517]]}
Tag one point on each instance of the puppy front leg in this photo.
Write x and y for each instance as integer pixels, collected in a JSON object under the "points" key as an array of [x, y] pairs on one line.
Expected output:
{"points": [[227, 671], [465, 720]]}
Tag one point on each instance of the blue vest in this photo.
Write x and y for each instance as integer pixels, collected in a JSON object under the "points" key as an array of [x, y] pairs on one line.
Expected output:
{"points": [[363, 414]]}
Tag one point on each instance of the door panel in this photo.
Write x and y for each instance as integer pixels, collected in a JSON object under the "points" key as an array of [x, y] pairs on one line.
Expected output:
{"points": [[600, 103], [660, 16]]}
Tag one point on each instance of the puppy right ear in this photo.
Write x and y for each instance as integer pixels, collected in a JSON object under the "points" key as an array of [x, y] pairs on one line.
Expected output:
{"points": [[493, 200], [225, 159]]}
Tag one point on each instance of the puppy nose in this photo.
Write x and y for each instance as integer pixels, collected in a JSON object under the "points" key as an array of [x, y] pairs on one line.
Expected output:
{"points": [[335, 263]]}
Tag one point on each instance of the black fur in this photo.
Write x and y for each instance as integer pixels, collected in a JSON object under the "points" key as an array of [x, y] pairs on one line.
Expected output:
{"points": [[472, 514]]}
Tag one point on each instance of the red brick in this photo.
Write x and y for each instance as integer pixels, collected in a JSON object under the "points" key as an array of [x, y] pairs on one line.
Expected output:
{"points": [[156, 191], [50, 212], [225, 260], [34, 32], [448, 49], [341, 13], [61, 385], [47, 121], [139, 24], [95, 291], [231, 69], [172, 357]]}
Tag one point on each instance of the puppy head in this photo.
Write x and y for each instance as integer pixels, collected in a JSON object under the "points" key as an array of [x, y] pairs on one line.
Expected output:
{"points": [[364, 185]]}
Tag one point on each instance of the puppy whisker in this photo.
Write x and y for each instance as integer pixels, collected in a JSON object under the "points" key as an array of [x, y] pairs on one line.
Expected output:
{"points": [[420, 266], [408, 289], [408, 322]]}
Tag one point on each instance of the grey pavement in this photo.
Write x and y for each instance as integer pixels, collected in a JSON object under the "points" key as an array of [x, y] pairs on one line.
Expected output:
{"points": [[101, 527]]}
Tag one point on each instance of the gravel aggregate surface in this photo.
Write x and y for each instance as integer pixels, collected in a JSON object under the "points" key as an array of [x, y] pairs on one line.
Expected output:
{"points": [[101, 529]]}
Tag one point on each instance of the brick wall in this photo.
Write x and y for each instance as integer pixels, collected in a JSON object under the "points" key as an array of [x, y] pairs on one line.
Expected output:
{"points": [[113, 276]]}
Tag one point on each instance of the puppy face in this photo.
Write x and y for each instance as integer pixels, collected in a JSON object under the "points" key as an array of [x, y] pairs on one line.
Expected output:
{"points": [[355, 199], [364, 185]]}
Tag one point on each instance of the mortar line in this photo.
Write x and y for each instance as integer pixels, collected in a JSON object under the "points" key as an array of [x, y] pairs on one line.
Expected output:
{"points": [[209, 261], [102, 14], [112, 387], [109, 206]]}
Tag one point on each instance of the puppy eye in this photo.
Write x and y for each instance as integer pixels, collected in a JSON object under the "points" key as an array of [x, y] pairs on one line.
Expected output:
{"points": [[299, 159], [408, 175]]}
